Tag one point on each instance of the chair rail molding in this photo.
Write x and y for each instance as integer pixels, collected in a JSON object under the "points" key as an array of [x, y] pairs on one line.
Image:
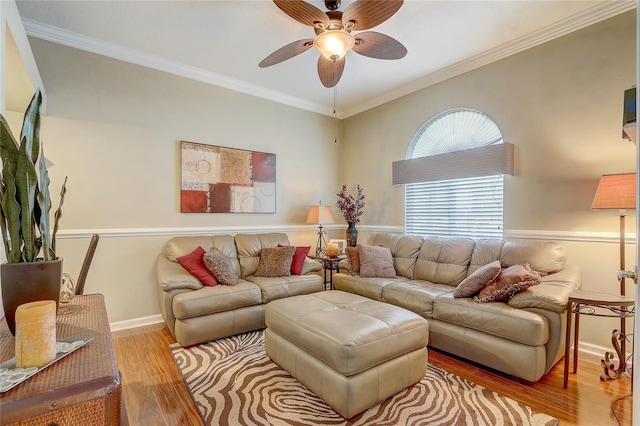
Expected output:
{"points": [[583, 236]]}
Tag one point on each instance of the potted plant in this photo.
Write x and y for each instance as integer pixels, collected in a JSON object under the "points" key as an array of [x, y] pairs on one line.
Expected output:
{"points": [[32, 270], [351, 207]]}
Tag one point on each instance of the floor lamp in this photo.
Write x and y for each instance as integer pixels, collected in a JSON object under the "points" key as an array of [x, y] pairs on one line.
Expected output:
{"points": [[320, 215], [617, 194]]}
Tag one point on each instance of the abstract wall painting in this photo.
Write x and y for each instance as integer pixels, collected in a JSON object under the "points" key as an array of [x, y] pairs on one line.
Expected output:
{"points": [[216, 179]]}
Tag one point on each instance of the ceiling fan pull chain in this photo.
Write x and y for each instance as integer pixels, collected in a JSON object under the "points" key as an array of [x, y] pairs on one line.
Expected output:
{"points": [[335, 103]]}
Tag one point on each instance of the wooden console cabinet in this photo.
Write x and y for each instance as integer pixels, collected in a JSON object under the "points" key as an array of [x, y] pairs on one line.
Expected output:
{"points": [[84, 388]]}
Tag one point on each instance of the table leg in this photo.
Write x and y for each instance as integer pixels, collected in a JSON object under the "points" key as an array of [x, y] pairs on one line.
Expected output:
{"points": [[576, 334], [324, 281], [567, 345]]}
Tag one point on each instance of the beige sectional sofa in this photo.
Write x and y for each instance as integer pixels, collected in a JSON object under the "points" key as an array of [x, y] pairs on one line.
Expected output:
{"points": [[523, 337], [195, 313]]}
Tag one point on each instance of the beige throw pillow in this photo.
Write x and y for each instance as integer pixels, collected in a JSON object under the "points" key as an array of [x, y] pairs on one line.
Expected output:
{"points": [[509, 281], [478, 280], [376, 262], [275, 262], [220, 266]]}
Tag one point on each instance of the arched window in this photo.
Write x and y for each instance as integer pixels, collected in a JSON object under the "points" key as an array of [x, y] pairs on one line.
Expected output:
{"points": [[471, 206]]}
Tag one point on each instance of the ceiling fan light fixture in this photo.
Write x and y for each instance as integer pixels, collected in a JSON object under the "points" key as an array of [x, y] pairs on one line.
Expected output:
{"points": [[334, 44]]}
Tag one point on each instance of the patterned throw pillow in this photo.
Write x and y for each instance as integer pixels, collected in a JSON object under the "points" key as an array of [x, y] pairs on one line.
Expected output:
{"points": [[478, 280], [509, 281], [194, 264], [298, 258], [221, 267], [275, 262], [376, 262]]}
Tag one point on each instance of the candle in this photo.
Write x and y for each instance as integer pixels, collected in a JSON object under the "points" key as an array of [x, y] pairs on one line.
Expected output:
{"points": [[332, 249], [35, 333]]}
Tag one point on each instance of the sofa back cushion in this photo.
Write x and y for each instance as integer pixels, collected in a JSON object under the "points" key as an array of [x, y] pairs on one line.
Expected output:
{"points": [[404, 249], [486, 250], [179, 246], [250, 246], [544, 257], [444, 260]]}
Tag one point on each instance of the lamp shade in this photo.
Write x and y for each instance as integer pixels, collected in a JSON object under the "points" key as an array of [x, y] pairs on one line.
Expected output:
{"points": [[334, 44], [320, 215], [616, 192]]}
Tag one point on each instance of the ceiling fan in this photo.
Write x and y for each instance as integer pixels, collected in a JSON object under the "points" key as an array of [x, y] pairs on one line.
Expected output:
{"points": [[333, 34]]}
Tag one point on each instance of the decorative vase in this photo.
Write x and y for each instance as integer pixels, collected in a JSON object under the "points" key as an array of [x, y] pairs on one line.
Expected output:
{"points": [[352, 234], [29, 282]]}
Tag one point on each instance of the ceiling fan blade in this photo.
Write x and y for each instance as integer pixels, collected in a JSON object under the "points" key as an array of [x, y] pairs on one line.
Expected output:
{"points": [[286, 52], [369, 13], [379, 46], [303, 12], [329, 71]]}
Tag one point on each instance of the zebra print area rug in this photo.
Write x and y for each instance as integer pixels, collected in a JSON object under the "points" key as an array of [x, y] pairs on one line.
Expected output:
{"points": [[233, 382]]}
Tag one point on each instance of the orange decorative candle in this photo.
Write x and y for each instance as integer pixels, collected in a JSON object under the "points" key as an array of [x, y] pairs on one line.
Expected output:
{"points": [[332, 250], [35, 333]]}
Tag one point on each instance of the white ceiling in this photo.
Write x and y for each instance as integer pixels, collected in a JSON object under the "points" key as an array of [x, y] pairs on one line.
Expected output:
{"points": [[222, 42]]}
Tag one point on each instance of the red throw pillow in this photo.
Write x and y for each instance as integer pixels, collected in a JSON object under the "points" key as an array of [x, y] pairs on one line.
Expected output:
{"points": [[194, 264], [298, 259]]}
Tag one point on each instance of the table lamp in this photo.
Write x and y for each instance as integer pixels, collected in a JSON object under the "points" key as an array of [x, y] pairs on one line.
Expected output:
{"points": [[617, 195], [320, 215]]}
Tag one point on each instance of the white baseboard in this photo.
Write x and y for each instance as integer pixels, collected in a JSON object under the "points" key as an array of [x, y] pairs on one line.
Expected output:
{"points": [[599, 351], [135, 322]]}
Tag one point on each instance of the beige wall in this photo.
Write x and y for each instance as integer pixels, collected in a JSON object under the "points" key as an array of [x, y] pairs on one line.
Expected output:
{"points": [[114, 128], [560, 104]]}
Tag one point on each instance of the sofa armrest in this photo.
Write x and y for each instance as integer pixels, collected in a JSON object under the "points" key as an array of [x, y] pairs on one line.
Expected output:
{"points": [[310, 266], [172, 276], [552, 293], [345, 266]]}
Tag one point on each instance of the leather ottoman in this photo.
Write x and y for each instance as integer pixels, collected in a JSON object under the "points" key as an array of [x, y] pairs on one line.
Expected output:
{"points": [[351, 351]]}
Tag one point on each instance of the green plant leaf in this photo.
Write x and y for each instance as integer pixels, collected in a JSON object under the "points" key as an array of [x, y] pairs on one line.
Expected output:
{"points": [[44, 202], [9, 149], [58, 214]]}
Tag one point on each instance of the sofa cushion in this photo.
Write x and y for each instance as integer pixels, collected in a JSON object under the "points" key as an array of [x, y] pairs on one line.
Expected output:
{"points": [[180, 246], [417, 296], [376, 262], [299, 255], [509, 281], [272, 288], [275, 262], [545, 257], [485, 251], [367, 287], [404, 248], [249, 247], [498, 319], [478, 280], [194, 264], [444, 260], [221, 298], [220, 267]]}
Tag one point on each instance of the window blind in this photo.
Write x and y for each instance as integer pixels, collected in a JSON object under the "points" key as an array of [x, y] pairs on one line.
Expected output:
{"points": [[470, 208]]}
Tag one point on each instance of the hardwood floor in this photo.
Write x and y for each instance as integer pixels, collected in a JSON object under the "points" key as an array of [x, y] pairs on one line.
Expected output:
{"points": [[156, 395]]}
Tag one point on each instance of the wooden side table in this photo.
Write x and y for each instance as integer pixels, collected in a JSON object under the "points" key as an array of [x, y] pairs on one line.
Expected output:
{"points": [[81, 388], [596, 304], [328, 264]]}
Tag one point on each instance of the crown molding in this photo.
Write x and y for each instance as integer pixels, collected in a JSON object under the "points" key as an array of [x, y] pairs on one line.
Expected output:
{"points": [[89, 44], [573, 23], [550, 32]]}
